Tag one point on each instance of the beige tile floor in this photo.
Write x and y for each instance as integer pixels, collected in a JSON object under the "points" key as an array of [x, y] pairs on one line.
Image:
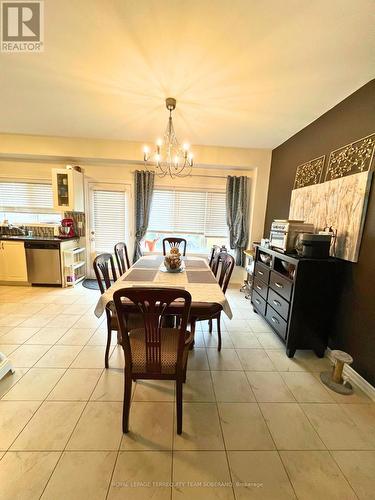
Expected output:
{"points": [[256, 424]]}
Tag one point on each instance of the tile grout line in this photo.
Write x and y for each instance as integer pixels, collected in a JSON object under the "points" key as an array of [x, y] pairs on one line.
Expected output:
{"points": [[122, 434], [45, 399], [342, 472], [42, 368], [23, 428], [278, 451], [51, 345], [222, 435], [69, 438], [41, 403]]}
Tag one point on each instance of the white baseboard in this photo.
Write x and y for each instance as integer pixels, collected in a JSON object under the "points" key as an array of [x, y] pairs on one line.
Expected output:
{"points": [[355, 378]]}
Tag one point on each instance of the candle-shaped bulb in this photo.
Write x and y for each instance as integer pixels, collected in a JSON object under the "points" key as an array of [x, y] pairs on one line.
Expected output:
{"points": [[146, 150]]}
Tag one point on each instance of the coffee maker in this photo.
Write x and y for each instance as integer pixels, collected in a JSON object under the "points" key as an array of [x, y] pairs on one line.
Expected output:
{"points": [[67, 228]]}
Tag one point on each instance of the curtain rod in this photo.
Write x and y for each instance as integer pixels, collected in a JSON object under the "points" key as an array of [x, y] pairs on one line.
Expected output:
{"points": [[199, 175]]}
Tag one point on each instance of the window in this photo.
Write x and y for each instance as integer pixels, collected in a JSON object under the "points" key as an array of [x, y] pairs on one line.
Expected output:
{"points": [[27, 203], [198, 216], [110, 218]]}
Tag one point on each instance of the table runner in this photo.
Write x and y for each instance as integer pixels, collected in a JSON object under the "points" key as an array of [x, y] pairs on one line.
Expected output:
{"points": [[197, 279]]}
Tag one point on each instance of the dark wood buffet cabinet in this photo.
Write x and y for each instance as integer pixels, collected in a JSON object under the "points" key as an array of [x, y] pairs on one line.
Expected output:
{"points": [[295, 296]]}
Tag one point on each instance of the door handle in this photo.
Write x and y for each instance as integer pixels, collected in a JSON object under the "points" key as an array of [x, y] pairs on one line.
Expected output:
{"points": [[277, 303], [257, 301], [275, 320], [259, 287], [279, 285], [260, 272]]}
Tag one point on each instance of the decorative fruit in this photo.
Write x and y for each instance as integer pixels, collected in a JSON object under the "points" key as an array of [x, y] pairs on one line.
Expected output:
{"points": [[172, 262]]}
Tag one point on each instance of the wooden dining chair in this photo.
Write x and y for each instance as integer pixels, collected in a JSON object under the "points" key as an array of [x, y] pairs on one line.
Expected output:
{"points": [[103, 267], [225, 266], [122, 258], [175, 243], [214, 258], [154, 352], [214, 264]]}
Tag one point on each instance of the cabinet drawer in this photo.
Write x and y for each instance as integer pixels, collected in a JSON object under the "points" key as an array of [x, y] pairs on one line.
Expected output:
{"points": [[281, 285], [260, 288], [279, 304], [258, 302], [276, 321], [261, 272]]}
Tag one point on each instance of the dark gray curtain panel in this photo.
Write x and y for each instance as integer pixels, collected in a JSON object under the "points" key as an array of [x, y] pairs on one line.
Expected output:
{"points": [[237, 204], [143, 187]]}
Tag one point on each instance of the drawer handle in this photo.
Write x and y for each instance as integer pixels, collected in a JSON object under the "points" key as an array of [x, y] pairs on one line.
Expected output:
{"points": [[257, 301], [275, 320], [279, 285], [259, 287], [277, 303], [261, 273]]}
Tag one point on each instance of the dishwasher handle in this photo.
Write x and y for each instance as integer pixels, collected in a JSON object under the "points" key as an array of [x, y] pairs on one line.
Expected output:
{"points": [[41, 246]]}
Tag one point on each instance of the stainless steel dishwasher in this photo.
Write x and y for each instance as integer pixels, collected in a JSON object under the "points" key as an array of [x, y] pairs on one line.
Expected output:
{"points": [[43, 262]]}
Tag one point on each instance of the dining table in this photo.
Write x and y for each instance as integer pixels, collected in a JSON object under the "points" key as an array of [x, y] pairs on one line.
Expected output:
{"points": [[195, 276]]}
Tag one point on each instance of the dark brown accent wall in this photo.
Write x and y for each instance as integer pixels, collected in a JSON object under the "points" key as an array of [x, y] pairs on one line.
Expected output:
{"points": [[351, 119]]}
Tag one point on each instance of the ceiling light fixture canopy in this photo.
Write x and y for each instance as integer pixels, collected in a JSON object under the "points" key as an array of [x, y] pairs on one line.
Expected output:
{"points": [[169, 157]]}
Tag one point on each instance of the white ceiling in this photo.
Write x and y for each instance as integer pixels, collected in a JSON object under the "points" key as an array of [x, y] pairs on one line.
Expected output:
{"points": [[246, 73]]}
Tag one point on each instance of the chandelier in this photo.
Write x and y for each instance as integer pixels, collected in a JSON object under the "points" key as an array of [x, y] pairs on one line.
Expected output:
{"points": [[169, 158]]}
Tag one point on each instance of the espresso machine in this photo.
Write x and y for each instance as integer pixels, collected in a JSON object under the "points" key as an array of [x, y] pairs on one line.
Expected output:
{"points": [[66, 229]]}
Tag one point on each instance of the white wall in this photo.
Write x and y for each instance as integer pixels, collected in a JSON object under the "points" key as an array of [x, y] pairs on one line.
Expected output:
{"points": [[32, 157]]}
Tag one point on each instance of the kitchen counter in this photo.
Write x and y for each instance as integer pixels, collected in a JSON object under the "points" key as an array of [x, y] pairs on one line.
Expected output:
{"points": [[35, 260], [39, 239]]}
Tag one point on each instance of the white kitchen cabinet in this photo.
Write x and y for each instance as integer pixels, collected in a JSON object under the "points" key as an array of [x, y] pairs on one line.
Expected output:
{"points": [[12, 261], [67, 188]]}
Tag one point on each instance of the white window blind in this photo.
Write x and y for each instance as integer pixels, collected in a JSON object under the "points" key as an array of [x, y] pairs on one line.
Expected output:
{"points": [[25, 196], [216, 218], [110, 219], [193, 212]]}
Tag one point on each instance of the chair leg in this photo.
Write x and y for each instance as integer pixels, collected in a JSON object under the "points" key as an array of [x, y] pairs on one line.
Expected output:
{"points": [[218, 333], [192, 328], [108, 346], [126, 404], [210, 325], [185, 370], [179, 403]]}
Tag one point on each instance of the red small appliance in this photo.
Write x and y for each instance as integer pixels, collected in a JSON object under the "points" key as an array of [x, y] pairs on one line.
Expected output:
{"points": [[67, 228]]}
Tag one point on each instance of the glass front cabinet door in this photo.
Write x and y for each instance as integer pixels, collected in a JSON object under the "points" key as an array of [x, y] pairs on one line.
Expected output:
{"points": [[67, 190]]}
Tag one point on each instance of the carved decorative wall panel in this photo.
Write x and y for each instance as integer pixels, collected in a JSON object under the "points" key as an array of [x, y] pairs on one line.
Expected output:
{"points": [[309, 173], [351, 159]]}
